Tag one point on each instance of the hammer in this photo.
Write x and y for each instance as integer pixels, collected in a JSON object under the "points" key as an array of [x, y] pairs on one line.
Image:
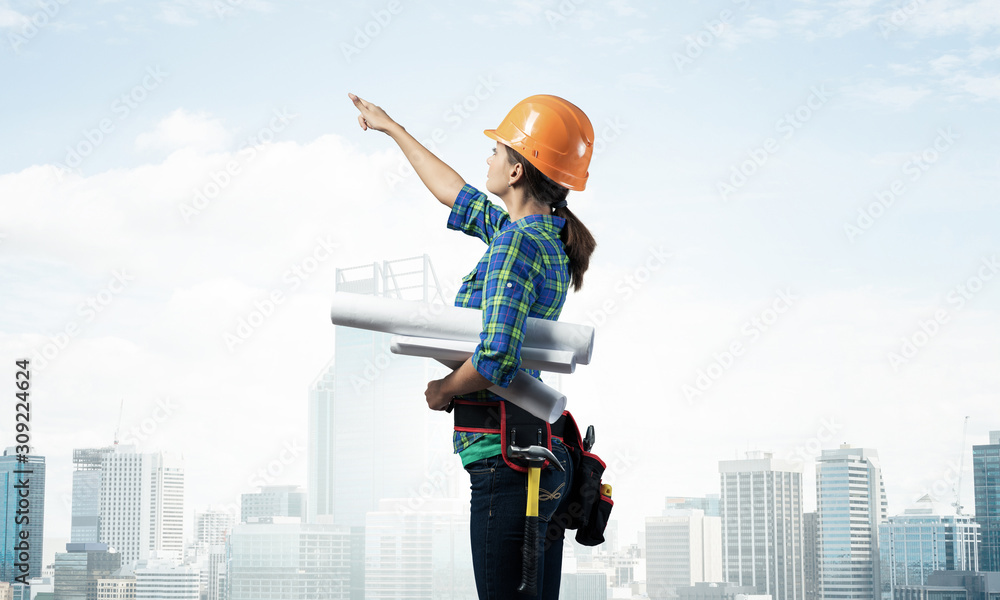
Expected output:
{"points": [[536, 457]]}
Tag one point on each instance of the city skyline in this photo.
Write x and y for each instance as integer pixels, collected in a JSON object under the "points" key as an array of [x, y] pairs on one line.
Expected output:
{"points": [[756, 484]]}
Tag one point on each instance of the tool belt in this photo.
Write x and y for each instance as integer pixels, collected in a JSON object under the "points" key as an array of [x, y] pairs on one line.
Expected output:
{"points": [[587, 509]]}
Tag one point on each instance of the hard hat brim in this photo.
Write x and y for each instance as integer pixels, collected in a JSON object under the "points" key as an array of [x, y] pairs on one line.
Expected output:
{"points": [[566, 180]]}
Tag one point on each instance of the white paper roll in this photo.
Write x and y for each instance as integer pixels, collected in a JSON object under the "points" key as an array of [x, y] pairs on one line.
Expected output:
{"points": [[556, 361], [421, 319], [527, 392]]}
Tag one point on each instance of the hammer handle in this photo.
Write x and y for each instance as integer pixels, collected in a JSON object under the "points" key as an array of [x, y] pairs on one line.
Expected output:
{"points": [[529, 558]]}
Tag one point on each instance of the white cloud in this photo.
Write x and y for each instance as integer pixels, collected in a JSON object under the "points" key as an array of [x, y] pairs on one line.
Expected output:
{"points": [[188, 12], [11, 19], [896, 97], [981, 88], [944, 17], [181, 129]]}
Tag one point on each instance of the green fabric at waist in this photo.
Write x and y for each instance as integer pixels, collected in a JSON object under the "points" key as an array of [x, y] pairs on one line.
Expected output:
{"points": [[485, 447]]}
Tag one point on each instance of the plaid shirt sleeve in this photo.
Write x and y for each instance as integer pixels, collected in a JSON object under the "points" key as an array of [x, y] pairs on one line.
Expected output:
{"points": [[510, 290], [475, 215]]}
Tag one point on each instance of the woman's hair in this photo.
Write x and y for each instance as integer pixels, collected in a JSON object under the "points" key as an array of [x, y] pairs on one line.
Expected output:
{"points": [[576, 238]]}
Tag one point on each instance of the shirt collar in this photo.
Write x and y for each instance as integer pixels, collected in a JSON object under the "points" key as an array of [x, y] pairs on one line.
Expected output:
{"points": [[548, 223]]}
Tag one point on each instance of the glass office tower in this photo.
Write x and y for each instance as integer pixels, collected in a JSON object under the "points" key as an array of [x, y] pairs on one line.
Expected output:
{"points": [[851, 506], [986, 473]]}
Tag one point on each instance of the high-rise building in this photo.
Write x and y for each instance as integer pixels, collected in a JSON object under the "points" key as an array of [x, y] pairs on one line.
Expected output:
{"points": [[366, 394], [810, 556], [851, 505], [22, 511], [986, 474], [418, 554], [78, 570], [289, 560], [211, 526], [142, 504], [682, 547], [86, 509], [926, 538], [215, 578], [273, 501], [761, 508], [165, 579]]}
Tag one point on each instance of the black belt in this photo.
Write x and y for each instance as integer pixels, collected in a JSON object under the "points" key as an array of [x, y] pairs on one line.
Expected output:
{"points": [[485, 417]]}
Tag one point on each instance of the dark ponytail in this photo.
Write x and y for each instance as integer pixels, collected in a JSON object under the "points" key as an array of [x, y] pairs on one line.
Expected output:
{"points": [[576, 238]]}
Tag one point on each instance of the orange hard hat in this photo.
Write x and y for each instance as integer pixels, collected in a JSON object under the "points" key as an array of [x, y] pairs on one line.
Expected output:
{"points": [[552, 134]]}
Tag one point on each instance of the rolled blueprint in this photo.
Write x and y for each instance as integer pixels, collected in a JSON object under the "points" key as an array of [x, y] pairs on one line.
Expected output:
{"points": [[527, 392], [540, 359], [421, 319]]}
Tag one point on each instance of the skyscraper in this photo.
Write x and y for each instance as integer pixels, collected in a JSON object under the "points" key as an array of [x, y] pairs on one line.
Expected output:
{"points": [[986, 474], [925, 538], [79, 568], [761, 507], [810, 556], [682, 547], [142, 504], [86, 509], [22, 510], [851, 505], [367, 413]]}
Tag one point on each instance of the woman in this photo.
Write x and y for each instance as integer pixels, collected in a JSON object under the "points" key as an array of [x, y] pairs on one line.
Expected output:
{"points": [[537, 250]]}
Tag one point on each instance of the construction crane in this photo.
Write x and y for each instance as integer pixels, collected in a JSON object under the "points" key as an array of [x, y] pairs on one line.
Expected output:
{"points": [[961, 468]]}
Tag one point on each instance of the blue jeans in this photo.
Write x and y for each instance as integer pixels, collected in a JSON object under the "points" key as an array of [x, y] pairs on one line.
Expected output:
{"points": [[499, 497]]}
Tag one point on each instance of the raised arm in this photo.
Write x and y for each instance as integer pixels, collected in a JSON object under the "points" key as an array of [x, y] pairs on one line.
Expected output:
{"points": [[442, 181]]}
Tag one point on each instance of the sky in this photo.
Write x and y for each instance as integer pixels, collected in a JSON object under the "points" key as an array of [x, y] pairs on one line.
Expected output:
{"points": [[795, 205]]}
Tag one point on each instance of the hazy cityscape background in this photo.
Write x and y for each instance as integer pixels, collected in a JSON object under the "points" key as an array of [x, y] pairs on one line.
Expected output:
{"points": [[795, 208]]}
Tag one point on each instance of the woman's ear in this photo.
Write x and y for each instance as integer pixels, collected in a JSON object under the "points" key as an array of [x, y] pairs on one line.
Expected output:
{"points": [[516, 172]]}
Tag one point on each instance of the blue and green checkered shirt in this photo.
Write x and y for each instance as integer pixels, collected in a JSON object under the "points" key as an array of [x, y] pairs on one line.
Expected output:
{"points": [[524, 273]]}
